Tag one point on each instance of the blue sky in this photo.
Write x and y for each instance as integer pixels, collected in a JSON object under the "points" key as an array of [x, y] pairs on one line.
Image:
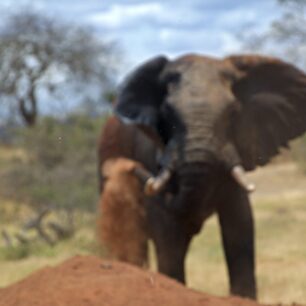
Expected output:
{"points": [[171, 27]]}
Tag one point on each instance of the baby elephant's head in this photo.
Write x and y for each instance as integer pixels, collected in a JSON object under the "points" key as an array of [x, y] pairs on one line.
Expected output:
{"points": [[123, 167], [120, 167]]}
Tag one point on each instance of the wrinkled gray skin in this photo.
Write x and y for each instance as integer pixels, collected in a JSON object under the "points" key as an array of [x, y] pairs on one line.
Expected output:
{"points": [[211, 115]]}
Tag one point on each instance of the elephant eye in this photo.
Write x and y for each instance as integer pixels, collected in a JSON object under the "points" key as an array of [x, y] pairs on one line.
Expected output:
{"points": [[170, 78], [171, 87]]}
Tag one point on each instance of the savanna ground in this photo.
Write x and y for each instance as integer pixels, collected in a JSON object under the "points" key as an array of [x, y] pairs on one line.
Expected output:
{"points": [[280, 213]]}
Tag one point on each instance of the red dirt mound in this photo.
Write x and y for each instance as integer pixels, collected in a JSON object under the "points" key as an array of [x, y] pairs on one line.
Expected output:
{"points": [[90, 281]]}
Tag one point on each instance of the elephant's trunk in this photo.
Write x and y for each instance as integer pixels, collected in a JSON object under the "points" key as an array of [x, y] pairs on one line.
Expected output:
{"points": [[199, 141]]}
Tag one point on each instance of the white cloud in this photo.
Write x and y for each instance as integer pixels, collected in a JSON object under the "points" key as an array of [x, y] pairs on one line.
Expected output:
{"points": [[118, 15], [155, 14], [214, 42]]}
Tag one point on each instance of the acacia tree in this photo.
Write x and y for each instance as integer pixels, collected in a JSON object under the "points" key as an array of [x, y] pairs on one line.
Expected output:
{"points": [[39, 55], [286, 35]]}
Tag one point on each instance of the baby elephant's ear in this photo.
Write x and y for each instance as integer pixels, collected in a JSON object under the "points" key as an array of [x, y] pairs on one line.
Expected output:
{"points": [[142, 94], [272, 95], [106, 168]]}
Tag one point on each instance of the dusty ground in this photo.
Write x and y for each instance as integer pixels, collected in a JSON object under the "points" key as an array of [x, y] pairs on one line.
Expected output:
{"points": [[89, 281], [280, 180]]}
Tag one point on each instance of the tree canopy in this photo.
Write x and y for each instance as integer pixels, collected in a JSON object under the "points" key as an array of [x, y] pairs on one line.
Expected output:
{"points": [[286, 35], [43, 56]]}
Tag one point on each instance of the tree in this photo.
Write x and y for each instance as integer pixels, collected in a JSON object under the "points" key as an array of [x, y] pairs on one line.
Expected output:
{"points": [[286, 35], [41, 55]]}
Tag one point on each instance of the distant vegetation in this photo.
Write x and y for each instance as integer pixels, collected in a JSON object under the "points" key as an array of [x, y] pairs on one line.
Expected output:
{"points": [[55, 77], [299, 153], [49, 63], [57, 167], [48, 184]]}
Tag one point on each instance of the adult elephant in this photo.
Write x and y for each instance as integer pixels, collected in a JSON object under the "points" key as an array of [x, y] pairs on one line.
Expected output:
{"points": [[213, 119]]}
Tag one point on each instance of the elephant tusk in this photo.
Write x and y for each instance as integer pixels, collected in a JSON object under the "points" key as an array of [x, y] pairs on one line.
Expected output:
{"points": [[239, 175], [152, 185], [142, 174], [155, 184]]}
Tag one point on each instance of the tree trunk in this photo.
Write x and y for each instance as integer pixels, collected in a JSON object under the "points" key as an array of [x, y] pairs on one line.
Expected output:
{"points": [[28, 108]]}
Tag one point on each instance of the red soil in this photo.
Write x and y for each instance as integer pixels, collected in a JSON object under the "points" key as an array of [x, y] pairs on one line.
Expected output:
{"points": [[90, 281]]}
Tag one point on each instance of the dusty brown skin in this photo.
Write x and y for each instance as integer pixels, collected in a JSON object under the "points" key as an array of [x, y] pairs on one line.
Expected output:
{"points": [[122, 221], [211, 115]]}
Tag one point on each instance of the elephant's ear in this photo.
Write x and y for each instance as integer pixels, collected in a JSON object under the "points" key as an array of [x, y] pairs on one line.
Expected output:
{"points": [[272, 96], [141, 95]]}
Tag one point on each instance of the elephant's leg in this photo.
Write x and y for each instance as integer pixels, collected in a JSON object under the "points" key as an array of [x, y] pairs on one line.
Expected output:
{"points": [[236, 220], [171, 242], [171, 248]]}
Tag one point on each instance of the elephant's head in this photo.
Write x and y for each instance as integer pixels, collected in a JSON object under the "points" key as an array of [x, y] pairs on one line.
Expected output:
{"points": [[236, 112]]}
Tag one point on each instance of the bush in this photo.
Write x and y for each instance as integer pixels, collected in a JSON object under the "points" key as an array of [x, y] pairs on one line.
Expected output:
{"points": [[59, 167], [14, 252]]}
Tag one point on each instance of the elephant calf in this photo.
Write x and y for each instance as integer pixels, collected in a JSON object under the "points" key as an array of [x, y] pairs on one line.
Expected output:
{"points": [[121, 222]]}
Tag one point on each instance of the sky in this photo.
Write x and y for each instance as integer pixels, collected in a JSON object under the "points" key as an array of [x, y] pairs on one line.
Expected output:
{"points": [[172, 27]]}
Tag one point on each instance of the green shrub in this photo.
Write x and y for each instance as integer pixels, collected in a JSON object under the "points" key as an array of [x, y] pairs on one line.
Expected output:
{"points": [[14, 252], [59, 169]]}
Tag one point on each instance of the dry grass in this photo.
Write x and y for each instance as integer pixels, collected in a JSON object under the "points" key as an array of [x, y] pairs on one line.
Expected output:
{"points": [[8, 153]]}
